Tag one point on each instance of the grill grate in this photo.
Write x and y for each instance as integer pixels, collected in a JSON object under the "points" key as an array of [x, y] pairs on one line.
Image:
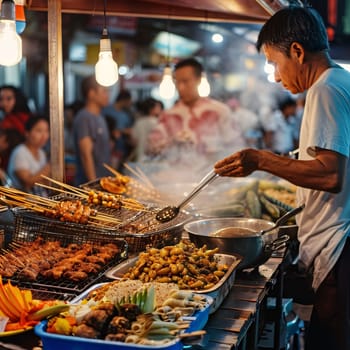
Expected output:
{"points": [[139, 229], [65, 288]]}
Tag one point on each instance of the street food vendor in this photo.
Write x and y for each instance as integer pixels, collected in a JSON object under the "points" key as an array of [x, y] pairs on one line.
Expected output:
{"points": [[294, 40]]}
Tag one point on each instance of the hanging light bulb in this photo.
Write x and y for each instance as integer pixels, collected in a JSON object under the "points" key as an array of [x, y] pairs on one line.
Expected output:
{"points": [[106, 69], [204, 87], [10, 41], [167, 86], [20, 16]]}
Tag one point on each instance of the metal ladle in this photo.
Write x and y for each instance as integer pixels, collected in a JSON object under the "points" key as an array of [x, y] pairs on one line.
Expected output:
{"points": [[284, 218], [169, 213]]}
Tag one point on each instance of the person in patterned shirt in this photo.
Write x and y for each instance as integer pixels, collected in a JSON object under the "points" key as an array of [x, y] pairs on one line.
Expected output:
{"points": [[195, 125]]}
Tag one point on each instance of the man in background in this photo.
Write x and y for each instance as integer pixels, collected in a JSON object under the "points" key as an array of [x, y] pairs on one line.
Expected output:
{"points": [[90, 132], [121, 118], [197, 126]]}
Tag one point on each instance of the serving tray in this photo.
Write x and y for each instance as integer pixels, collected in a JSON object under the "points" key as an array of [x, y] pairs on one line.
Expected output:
{"points": [[218, 292], [58, 342]]}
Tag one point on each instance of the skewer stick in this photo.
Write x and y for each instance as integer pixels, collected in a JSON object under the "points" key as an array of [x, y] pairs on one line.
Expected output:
{"points": [[145, 177], [133, 171], [57, 189], [69, 187], [113, 171]]}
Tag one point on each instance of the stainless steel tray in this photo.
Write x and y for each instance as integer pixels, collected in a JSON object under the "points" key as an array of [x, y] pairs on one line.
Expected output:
{"points": [[217, 292]]}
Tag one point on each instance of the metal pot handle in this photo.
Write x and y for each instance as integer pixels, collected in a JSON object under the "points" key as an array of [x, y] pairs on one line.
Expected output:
{"points": [[277, 243]]}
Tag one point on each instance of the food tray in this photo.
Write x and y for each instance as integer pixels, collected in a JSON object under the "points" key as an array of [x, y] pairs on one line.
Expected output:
{"points": [[217, 292], [58, 342]]}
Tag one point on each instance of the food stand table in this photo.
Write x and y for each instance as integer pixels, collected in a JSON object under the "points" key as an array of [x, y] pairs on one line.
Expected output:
{"points": [[238, 322], [235, 325]]}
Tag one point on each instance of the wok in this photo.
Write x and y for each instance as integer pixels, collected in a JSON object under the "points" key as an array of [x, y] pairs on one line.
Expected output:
{"points": [[255, 242]]}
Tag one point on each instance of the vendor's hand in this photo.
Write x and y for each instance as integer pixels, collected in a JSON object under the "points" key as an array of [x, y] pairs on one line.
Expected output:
{"points": [[241, 163]]}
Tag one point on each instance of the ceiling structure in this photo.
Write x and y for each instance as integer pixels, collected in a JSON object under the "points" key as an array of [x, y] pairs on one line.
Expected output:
{"points": [[248, 11]]}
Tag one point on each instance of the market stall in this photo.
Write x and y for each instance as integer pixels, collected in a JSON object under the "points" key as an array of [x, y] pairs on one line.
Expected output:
{"points": [[65, 246]]}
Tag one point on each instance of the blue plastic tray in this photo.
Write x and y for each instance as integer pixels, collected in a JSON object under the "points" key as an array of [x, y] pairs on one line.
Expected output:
{"points": [[58, 342]]}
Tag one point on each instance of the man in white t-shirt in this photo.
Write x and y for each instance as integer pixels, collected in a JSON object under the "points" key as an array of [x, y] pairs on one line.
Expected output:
{"points": [[294, 40]]}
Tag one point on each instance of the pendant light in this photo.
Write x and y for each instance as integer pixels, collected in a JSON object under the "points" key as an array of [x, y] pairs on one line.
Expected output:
{"points": [[106, 69], [167, 86], [204, 87], [10, 41]]}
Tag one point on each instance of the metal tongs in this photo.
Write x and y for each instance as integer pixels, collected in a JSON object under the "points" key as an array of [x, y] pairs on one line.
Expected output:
{"points": [[169, 213]]}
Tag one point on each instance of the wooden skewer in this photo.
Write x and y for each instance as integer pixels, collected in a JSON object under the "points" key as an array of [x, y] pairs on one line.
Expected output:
{"points": [[81, 195], [113, 171], [145, 177], [192, 334], [133, 171], [69, 187]]}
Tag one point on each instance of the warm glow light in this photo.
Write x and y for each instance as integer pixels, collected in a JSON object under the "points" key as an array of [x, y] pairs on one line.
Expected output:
{"points": [[167, 86], [204, 87], [106, 69], [10, 42], [271, 78], [269, 68], [217, 38]]}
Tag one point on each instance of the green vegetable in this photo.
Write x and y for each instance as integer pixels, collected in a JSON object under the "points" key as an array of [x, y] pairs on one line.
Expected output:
{"points": [[150, 300], [253, 204], [270, 208]]}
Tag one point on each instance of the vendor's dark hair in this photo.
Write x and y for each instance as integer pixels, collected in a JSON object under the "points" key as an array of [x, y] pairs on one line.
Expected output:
{"points": [[303, 25], [33, 120], [191, 62]]}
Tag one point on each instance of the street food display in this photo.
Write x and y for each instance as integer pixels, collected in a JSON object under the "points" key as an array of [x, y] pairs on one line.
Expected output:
{"points": [[183, 264], [49, 259], [153, 314], [71, 241]]}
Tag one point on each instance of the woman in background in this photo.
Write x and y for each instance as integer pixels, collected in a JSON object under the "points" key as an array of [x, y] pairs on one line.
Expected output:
{"points": [[150, 110], [28, 160], [15, 108]]}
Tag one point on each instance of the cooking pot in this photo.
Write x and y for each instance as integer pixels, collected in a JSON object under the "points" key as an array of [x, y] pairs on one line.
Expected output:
{"points": [[251, 243]]}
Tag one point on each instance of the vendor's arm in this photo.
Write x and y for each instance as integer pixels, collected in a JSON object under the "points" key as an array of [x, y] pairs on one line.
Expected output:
{"points": [[87, 159], [325, 172]]}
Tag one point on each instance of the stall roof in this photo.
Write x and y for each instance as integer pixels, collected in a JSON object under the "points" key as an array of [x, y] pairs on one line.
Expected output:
{"points": [[210, 10]]}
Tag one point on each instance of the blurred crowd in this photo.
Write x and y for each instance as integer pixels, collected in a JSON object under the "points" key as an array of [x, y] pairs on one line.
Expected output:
{"points": [[99, 131]]}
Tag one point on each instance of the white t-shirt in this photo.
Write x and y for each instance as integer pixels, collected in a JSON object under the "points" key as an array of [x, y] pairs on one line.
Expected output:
{"points": [[324, 224], [22, 159]]}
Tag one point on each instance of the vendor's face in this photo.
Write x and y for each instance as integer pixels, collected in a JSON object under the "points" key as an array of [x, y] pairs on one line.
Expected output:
{"points": [[7, 100], [287, 69], [187, 84]]}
